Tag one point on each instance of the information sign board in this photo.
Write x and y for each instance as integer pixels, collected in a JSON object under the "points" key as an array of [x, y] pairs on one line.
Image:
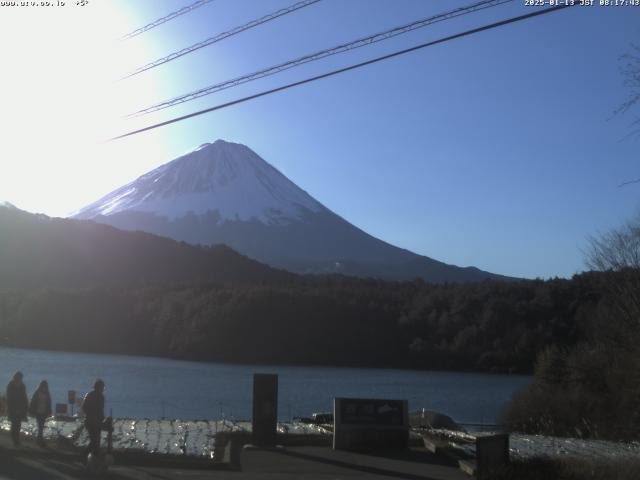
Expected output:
{"points": [[370, 424]]}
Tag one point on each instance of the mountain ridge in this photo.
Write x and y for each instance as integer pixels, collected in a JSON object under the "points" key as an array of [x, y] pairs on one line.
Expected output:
{"points": [[223, 192], [40, 251], [193, 182]]}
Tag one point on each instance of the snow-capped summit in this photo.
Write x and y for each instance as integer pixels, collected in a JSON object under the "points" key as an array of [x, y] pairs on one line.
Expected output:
{"points": [[223, 192], [4, 203], [225, 177]]}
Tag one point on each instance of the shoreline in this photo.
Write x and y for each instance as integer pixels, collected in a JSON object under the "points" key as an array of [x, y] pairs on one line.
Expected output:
{"points": [[191, 438], [196, 438], [273, 365]]}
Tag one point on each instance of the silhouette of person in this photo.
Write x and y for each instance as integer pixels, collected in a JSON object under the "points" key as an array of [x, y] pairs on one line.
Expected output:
{"points": [[40, 407], [17, 405], [93, 409]]}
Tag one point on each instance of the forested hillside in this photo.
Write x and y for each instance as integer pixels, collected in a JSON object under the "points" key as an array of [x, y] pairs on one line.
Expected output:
{"points": [[78, 285], [39, 251], [490, 326]]}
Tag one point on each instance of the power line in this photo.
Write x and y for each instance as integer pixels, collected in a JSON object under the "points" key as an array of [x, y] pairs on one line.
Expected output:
{"points": [[630, 182], [346, 69], [166, 18], [221, 36], [321, 54]]}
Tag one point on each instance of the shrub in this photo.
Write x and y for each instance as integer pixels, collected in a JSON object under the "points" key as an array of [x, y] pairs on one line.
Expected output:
{"points": [[545, 468]]}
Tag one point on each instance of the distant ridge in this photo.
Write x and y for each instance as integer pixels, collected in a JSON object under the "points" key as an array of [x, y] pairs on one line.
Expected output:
{"points": [[223, 192], [39, 251]]}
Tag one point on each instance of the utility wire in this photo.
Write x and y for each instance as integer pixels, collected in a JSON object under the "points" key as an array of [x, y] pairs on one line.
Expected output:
{"points": [[166, 18], [221, 36], [630, 182], [321, 54], [346, 69]]}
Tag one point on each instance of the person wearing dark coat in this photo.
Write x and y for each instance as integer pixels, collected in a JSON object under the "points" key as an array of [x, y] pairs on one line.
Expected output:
{"points": [[93, 409], [40, 408], [17, 405]]}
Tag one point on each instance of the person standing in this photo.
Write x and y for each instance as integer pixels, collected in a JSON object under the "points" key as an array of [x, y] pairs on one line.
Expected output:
{"points": [[40, 407], [17, 406], [93, 409]]}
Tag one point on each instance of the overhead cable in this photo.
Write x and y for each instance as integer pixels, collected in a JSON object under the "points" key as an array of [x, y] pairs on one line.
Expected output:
{"points": [[346, 69], [221, 36], [166, 18], [321, 54]]}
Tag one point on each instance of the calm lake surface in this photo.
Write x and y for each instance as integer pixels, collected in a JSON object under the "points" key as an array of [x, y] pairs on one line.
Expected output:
{"points": [[143, 387]]}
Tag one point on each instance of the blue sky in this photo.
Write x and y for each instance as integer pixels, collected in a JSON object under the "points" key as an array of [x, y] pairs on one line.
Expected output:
{"points": [[498, 150]]}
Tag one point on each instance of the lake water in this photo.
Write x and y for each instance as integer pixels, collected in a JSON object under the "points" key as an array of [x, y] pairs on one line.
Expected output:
{"points": [[143, 387]]}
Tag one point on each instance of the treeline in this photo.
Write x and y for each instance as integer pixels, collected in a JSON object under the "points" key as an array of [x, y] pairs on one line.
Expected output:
{"points": [[490, 326], [590, 388]]}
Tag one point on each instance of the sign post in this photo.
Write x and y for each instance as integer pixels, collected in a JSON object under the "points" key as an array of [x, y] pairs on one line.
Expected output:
{"points": [[61, 409], [71, 397], [265, 409]]}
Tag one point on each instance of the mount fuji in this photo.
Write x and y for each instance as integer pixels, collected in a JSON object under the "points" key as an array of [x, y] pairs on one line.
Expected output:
{"points": [[224, 192]]}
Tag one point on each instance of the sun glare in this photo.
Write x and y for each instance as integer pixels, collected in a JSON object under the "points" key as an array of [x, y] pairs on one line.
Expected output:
{"points": [[60, 101]]}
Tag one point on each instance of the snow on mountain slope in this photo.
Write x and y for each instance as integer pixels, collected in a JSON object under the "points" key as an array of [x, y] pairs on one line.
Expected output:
{"points": [[225, 193], [4, 203], [222, 176]]}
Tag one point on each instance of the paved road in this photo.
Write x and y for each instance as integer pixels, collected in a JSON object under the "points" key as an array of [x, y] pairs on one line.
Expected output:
{"points": [[324, 463], [315, 463]]}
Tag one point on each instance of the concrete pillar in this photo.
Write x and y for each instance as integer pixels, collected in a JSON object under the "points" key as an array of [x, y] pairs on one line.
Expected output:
{"points": [[265, 409], [492, 452]]}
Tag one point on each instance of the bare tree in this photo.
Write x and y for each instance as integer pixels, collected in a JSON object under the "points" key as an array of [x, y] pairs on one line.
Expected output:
{"points": [[616, 250], [617, 253], [630, 70]]}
